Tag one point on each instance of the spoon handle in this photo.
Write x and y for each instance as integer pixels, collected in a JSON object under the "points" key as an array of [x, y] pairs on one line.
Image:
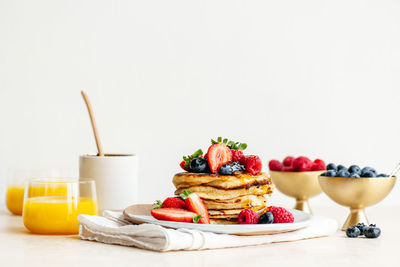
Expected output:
{"points": [[396, 169]]}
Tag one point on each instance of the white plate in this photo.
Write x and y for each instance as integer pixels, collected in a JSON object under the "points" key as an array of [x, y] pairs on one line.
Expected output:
{"points": [[141, 214]]}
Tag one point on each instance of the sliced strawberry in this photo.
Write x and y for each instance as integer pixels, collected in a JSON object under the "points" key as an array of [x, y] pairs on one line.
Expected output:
{"points": [[194, 203], [186, 168], [217, 155], [175, 215]]}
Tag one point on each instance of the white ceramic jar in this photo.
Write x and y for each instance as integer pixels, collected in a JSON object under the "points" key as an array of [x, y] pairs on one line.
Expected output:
{"points": [[116, 177]]}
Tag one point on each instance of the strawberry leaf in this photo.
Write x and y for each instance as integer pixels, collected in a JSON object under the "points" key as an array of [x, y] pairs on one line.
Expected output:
{"points": [[185, 194], [230, 144], [196, 218], [189, 158], [158, 204]]}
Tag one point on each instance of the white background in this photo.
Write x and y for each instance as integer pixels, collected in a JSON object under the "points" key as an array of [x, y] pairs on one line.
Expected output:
{"points": [[315, 77]]}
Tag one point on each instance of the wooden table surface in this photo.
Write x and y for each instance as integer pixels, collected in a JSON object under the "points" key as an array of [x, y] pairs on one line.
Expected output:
{"points": [[20, 248]]}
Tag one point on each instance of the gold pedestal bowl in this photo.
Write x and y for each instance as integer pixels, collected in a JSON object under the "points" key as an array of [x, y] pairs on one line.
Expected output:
{"points": [[300, 185], [357, 194]]}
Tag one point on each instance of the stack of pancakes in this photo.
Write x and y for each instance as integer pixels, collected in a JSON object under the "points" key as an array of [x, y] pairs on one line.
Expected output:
{"points": [[226, 195]]}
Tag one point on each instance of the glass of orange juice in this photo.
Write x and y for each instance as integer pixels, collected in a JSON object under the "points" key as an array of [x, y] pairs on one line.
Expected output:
{"points": [[52, 206], [16, 185]]}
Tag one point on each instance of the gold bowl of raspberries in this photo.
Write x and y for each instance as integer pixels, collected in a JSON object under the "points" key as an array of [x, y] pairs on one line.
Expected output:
{"points": [[297, 178]]}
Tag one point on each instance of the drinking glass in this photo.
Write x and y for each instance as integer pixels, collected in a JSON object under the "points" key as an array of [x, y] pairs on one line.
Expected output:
{"points": [[16, 184], [52, 206]]}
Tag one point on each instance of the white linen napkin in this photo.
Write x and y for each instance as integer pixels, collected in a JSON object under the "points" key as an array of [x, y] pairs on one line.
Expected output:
{"points": [[114, 229]]}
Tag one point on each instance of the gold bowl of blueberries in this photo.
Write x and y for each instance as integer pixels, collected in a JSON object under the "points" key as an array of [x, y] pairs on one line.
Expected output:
{"points": [[355, 188]]}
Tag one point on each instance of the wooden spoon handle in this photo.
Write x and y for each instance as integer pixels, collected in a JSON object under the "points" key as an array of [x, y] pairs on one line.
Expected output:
{"points": [[91, 115]]}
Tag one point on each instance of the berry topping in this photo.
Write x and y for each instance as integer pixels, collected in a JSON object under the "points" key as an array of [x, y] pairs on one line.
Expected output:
{"points": [[184, 167], [195, 204], [252, 164], [199, 165], [171, 202], [288, 161], [266, 218], [230, 144], [281, 215], [237, 155], [353, 231], [185, 164], [247, 216], [217, 155], [302, 164], [318, 165], [176, 215], [275, 165], [229, 169]]}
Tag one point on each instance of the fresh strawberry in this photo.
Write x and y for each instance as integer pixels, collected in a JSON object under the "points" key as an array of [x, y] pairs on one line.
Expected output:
{"points": [[252, 164], [302, 164], [217, 155], [318, 165], [195, 204], [171, 202], [183, 166], [175, 215], [275, 165], [288, 161], [237, 155]]}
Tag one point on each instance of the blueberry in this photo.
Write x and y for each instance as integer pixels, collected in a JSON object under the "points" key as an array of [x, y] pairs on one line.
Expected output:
{"points": [[354, 175], [352, 231], [361, 227], [366, 169], [237, 167], [368, 174], [324, 174], [226, 170], [341, 167], [266, 218], [355, 169], [330, 173], [343, 173], [199, 165], [372, 232], [331, 166], [382, 175]]}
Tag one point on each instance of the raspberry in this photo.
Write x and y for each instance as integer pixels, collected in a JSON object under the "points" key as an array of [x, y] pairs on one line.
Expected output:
{"points": [[173, 202], [287, 169], [183, 166], [237, 155], [252, 164], [288, 161], [318, 165], [275, 165], [281, 215], [302, 164], [248, 216]]}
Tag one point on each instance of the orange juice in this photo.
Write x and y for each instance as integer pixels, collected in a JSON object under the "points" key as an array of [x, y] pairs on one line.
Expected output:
{"points": [[56, 214], [15, 199]]}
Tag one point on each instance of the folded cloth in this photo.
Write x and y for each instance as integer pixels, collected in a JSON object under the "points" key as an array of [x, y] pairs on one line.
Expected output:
{"points": [[112, 228]]}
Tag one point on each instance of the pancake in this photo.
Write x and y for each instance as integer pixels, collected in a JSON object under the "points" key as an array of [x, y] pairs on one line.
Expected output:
{"points": [[233, 214], [243, 202], [222, 221], [236, 181], [209, 192]]}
